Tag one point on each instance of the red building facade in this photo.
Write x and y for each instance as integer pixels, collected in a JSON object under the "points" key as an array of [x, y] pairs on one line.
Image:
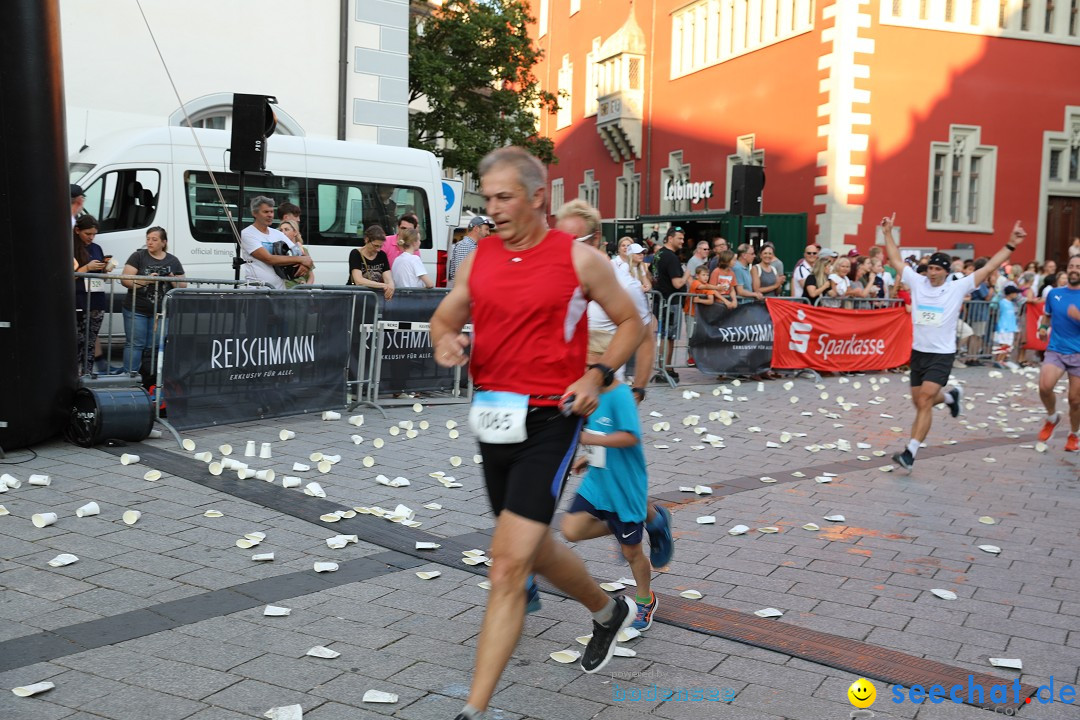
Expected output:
{"points": [[962, 116]]}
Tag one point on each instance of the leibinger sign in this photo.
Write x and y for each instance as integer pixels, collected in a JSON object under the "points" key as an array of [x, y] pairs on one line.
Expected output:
{"points": [[695, 192]]}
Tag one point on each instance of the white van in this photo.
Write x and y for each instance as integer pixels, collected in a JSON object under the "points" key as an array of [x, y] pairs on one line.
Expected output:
{"points": [[141, 178]]}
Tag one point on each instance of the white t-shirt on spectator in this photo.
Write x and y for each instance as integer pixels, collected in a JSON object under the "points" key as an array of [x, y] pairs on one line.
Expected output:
{"points": [[407, 270], [256, 270], [935, 310], [841, 283], [802, 269], [599, 320]]}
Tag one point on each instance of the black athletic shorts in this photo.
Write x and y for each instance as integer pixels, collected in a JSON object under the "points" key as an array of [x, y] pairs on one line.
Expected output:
{"points": [[527, 478], [931, 367]]}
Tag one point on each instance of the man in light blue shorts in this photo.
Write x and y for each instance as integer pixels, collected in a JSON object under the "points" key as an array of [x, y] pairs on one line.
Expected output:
{"points": [[1061, 321]]}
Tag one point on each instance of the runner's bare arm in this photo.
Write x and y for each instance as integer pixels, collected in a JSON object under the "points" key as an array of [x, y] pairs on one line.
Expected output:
{"points": [[1015, 238], [452, 314], [597, 279], [891, 248], [619, 439]]}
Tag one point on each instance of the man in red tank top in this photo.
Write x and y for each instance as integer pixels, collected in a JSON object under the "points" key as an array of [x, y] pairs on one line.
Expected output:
{"points": [[526, 288]]}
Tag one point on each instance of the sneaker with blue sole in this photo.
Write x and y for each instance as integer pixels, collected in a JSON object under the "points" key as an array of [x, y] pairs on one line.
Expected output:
{"points": [[661, 543], [645, 612], [532, 595]]}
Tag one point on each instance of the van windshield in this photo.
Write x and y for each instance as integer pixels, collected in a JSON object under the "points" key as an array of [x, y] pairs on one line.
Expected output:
{"points": [[333, 212]]}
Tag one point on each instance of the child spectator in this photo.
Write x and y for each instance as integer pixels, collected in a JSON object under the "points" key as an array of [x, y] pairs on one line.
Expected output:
{"points": [[723, 279], [1005, 329], [612, 499]]}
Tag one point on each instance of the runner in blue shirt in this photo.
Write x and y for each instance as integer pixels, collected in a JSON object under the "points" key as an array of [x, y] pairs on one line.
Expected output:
{"points": [[613, 498], [1061, 321]]}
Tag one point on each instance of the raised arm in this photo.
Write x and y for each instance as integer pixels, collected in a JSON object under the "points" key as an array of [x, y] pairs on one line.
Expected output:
{"points": [[891, 248], [1015, 238]]}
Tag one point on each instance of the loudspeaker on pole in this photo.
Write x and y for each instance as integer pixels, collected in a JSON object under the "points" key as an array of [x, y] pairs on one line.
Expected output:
{"points": [[747, 183], [253, 121]]}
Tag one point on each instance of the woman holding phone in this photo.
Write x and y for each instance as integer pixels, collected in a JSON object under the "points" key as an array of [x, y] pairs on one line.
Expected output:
{"points": [[142, 306]]}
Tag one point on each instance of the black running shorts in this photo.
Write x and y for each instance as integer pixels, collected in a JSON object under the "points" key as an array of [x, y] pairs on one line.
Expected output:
{"points": [[931, 367], [527, 478]]}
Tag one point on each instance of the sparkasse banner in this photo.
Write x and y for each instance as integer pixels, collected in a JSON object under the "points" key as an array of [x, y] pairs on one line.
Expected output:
{"points": [[838, 340]]}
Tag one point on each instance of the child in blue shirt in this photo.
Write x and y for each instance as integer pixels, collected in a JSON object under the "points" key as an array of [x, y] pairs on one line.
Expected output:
{"points": [[1005, 328], [613, 497]]}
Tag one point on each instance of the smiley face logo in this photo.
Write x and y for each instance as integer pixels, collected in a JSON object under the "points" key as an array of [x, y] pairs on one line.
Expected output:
{"points": [[862, 693]]}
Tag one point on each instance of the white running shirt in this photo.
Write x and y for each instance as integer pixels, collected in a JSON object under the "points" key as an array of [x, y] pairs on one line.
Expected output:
{"points": [[935, 310]]}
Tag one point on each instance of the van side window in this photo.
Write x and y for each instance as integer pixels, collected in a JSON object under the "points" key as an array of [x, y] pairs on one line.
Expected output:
{"points": [[124, 199], [343, 209], [206, 216]]}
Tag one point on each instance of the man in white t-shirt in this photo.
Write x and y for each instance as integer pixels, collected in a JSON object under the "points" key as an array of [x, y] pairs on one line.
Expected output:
{"points": [[257, 247], [804, 267], [935, 310]]}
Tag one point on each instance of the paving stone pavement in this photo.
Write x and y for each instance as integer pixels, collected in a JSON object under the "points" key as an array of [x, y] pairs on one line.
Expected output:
{"points": [[170, 610]]}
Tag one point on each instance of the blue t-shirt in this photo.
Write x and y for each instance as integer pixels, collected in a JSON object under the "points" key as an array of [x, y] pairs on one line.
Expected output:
{"points": [[1006, 319], [1064, 331], [621, 486], [742, 276]]}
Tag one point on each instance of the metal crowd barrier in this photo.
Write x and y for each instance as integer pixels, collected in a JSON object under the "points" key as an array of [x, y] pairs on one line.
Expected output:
{"points": [[979, 318], [111, 325]]}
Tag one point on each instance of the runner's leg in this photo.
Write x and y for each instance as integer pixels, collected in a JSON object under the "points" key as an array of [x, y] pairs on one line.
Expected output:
{"points": [[580, 526], [925, 397], [513, 549], [1048, 379], [1074, 403]]}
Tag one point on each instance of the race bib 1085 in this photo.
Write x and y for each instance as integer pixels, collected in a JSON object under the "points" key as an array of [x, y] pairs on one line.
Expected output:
{"points": [[498, 418]]}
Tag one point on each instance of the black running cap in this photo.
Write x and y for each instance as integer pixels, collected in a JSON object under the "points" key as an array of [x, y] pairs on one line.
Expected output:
{"points": [[941, 260]]}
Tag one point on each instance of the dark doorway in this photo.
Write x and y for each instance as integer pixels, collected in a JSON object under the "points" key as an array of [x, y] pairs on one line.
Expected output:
{"points": [[1062, 225]]}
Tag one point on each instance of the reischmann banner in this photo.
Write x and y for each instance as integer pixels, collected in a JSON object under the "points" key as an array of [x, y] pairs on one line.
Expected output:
{"points": [[236, 356]]}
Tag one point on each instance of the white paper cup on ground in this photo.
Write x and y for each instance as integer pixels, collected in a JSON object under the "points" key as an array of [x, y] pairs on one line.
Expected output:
{"points": [[378, 696], [323, 652], [188, 444], [315, 456], [325, 466], [356, 420], [155, 434], [290, 481], [267, 475], [10, 481], [90, 508], [321, 567], [216, 468], [152, 475], [40, 480], [249, 449], [225, 449], [63, 559], [245, 473], [43, 519], [264, 451], [204, 456], [332, 459], [129, 459], [357, 439], [300, 467], [331, 415], [286, 435], [131, 517], [28, 690]]}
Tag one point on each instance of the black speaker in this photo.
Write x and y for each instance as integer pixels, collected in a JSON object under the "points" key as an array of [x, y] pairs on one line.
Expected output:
{"points": [[747, 182], [253, 121]]}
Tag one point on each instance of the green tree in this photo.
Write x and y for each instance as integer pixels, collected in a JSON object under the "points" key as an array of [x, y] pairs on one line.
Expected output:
{"points": [[472, 60]]}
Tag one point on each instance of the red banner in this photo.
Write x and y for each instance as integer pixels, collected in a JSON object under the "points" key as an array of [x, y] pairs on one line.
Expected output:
{"points": [[1032, 313], [836, 340]]}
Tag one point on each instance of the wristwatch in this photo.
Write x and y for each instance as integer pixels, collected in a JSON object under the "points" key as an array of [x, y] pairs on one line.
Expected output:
{"points": [[608, 373], [640, 392]]}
